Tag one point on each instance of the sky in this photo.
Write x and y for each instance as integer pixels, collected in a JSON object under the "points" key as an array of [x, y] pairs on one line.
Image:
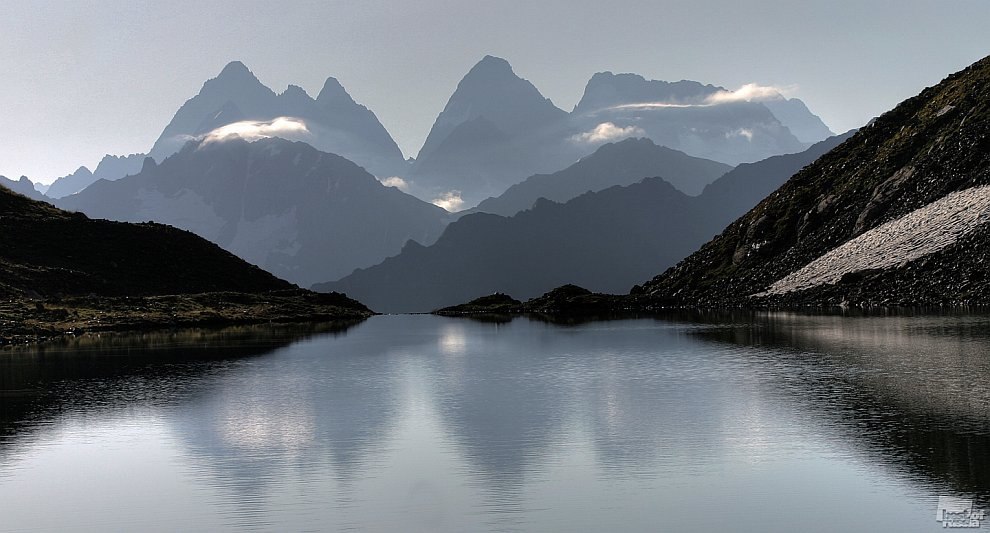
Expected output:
{"points": [[80, 79]]}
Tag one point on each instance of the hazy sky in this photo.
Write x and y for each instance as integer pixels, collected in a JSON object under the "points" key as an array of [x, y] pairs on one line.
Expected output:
{"points": [[80, 79]]}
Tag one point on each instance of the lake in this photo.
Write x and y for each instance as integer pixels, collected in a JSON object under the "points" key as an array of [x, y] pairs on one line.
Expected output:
{"points": [[693, 422]]}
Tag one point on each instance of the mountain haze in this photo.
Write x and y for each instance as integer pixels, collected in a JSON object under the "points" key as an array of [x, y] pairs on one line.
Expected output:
{"points": [[22, 186], [497, 128], [621, 163], [333, 122], [300, 213], [111, 167], [606, 240]]}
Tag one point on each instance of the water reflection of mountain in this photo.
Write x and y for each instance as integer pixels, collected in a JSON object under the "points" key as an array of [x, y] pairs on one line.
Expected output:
{"points": [[516, 396], [42, 384], [910, 391], [499, 399], [313, 414]]}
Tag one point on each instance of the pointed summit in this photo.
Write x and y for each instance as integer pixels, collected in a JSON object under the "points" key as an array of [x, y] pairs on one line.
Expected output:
{"points": [[234, 69], [491, 66], [235, 77], [492, 90], [333, 93]]}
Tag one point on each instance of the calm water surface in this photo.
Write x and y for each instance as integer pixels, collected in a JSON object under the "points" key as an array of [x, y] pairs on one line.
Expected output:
{"points": [[419, 423]]}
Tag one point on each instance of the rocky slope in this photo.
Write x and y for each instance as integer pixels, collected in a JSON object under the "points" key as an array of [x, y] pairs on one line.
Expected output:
{"points": [[890, 217]]}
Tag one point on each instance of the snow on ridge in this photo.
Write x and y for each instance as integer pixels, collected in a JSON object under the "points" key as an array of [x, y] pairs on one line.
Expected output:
{"points": [[921, 232]]}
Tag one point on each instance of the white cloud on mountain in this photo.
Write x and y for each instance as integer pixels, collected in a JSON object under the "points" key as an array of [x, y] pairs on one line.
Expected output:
{"points": [[450, 200], [750, 92], [289, 128], [741, 132], [607, 132], [397, 182]]}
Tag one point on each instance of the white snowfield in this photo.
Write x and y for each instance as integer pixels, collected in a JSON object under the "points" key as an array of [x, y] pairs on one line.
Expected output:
{"points": [[919, 233]]}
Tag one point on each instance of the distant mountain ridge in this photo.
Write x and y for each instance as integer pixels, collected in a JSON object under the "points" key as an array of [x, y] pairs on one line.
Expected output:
{"points": [[22, 186], [111, 167], [606, 241], [621, 163], [285, 206]]}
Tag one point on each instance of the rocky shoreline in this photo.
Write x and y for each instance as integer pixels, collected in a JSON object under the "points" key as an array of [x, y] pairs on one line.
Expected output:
{"points": [[26, 320]]}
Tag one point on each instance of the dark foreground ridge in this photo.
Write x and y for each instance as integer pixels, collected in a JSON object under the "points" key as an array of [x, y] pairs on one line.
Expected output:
{"points": [[62, 272]]}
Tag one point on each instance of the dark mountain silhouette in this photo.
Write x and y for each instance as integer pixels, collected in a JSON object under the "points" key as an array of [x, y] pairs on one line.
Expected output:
{"points": [[63, 272], [111, 167], [605, 239], [602, 240], [46, 250], [334, 121], [893, 216], [22, 186], [300, 213], [622, 163]]}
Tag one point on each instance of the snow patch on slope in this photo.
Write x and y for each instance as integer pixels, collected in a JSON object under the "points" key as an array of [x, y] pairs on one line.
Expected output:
{"points": [[186, 210], [269, 241], [919, 233]]}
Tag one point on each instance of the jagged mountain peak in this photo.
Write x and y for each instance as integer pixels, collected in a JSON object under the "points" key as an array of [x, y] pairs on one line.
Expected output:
{"points": [[236, 72], [236, 81], [493, 90], [491, 66], [295, 91], [334, 92], [338, 124]]}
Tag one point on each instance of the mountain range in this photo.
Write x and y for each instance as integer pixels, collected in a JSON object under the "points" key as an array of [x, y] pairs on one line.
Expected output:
{"points": [[606, 240], [896, 215], [111, 167], [495, 130], [332, 122], [498, 128], [302, 214]]}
